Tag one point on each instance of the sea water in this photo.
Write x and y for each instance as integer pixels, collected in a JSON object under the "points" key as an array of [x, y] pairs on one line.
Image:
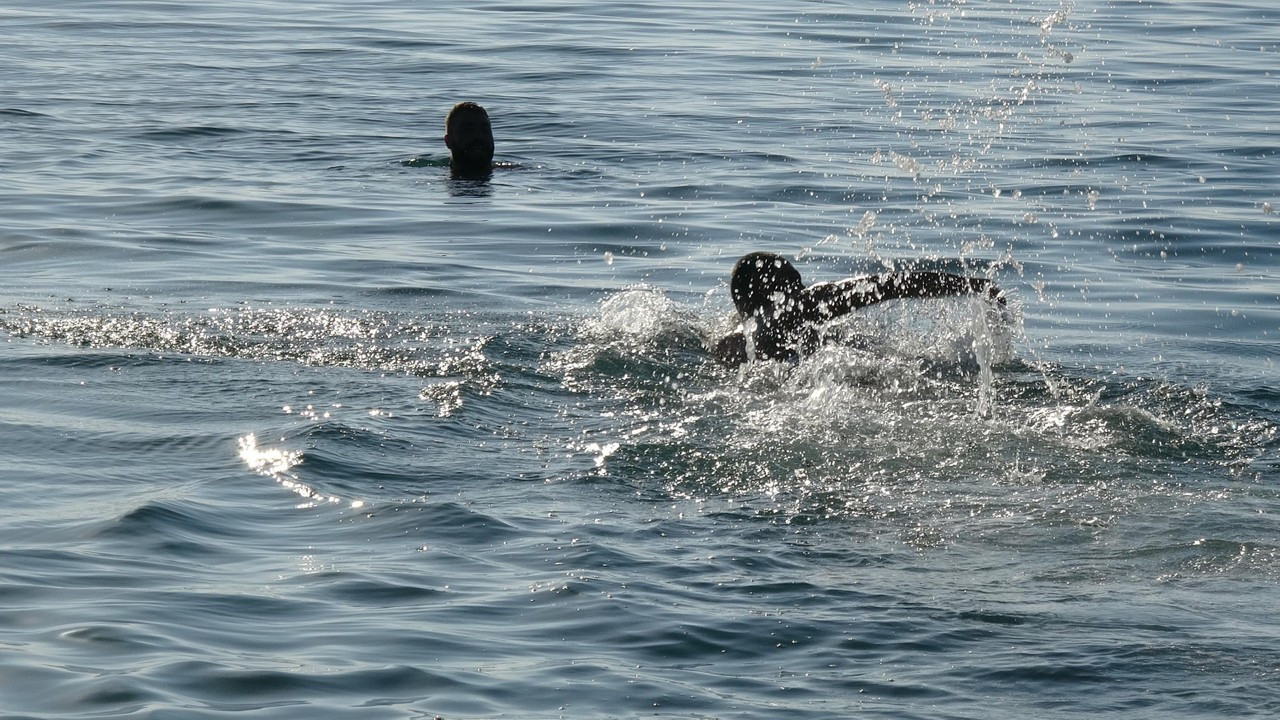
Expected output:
{"points": [[293, 424]]}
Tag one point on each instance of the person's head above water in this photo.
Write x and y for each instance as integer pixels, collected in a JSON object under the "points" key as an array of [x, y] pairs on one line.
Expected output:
{"points": [[469, 137], [762, 280]]}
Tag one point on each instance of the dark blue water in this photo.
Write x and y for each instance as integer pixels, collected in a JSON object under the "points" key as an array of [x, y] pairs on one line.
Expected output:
{"points": [[292, 424]]}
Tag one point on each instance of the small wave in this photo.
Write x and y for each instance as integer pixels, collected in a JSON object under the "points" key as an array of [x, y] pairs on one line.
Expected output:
{"points": [[21, 113], [639, 339], [322, 337], [1118, 427], [188, 132], [1205, 556], [170, 528], [374, 591], [640, 315], [428, 161], [1215, 556], [279, 463]]}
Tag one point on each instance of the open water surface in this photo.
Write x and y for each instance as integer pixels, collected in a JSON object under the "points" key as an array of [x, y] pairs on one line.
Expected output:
{"points": [[294, 425]]}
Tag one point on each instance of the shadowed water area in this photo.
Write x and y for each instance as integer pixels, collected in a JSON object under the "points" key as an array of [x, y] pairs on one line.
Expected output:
{"points": [[295, 424]]}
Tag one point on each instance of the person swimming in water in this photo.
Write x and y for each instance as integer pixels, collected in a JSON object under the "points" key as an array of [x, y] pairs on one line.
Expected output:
{"points": [[469, 137], [781, 317]]}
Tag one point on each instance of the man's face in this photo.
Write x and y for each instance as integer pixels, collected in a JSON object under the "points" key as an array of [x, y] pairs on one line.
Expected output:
{"points": [[470, 139]]}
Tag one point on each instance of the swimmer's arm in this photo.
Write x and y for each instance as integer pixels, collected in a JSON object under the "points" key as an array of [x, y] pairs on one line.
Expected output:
{"points": [[731, 349], [827, 301]]}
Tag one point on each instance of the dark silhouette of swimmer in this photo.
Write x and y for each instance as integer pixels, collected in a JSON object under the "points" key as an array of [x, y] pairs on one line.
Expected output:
{"points": [[469, 137], [781, 317]]}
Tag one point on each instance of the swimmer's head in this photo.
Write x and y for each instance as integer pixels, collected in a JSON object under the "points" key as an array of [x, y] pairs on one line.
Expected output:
{"points": [[761, 279], [469, 137]]}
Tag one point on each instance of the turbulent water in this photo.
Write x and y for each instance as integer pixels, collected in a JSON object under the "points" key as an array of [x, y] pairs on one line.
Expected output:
{"points": [[296, 425]]}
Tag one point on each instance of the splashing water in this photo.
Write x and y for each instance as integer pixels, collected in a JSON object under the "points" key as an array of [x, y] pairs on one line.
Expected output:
{"points": [[919, 411], [278, 464]]}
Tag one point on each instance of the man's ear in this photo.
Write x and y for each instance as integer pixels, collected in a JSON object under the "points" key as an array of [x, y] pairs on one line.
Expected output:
{"points": [[447, 141]]}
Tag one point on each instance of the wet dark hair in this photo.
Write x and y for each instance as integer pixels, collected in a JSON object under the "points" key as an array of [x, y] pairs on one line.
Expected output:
{"points": [[758, 277], [461, 109]]}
